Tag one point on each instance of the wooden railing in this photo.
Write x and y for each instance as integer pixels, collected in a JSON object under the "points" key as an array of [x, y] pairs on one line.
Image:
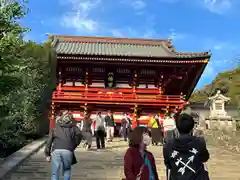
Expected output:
{"points": [[99, 89], [117, 97]]}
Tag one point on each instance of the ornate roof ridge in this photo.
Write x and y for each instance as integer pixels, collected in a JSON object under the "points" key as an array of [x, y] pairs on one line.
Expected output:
{"points": [[204, 53], [164, 43], [99, 39]]}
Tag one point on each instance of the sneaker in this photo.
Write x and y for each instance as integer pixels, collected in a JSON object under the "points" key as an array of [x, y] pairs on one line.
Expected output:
{"points": [[86, 148]]}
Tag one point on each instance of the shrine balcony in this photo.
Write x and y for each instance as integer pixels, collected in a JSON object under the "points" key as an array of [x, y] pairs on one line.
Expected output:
{"points": [[117, 98], [103, 90]]}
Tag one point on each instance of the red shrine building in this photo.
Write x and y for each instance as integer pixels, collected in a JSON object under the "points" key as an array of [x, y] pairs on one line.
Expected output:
{"points": [[137, 76]]}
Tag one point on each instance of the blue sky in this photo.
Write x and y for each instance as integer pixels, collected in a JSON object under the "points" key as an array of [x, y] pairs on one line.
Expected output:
{"points": [[194, 25]]}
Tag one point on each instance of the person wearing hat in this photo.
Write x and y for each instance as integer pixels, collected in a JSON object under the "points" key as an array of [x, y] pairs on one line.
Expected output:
{"points": [[60, 146]]}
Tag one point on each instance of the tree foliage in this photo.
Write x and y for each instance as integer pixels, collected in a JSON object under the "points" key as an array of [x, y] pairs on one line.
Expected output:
{"points": [[25, 81], [227, 82]]}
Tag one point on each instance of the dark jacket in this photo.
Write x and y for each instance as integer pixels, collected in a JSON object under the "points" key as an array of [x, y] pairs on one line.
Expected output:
{"points": [[86, 125], [133, 162], [126, 122], [63, 136], [109, 121], [184, 156]]}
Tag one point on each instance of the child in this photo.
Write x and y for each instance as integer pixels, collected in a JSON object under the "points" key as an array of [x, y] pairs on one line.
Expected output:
{"points": [[185, 155]]}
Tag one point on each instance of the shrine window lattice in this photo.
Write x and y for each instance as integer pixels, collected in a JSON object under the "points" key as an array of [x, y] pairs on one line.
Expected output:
{"points": [[218, 106], [73, 69]]}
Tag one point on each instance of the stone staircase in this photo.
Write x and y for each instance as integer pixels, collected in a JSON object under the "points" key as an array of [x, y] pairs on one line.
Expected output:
{"points": [[108, 164]]}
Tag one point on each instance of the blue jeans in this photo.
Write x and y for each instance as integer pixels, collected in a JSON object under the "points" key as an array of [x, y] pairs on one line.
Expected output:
{"points": [[61, 157]]}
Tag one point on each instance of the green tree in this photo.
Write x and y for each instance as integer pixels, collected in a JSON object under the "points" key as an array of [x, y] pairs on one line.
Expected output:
{"points": [[11, 45], [227, 82], [25, 81]]}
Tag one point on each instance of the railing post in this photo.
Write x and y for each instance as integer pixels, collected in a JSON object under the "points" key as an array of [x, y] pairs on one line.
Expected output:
{"points": [[86, 84], [59, 88], [85, 109]]}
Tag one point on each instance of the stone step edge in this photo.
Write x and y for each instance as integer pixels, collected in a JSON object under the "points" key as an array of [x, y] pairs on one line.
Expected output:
{"points": [[14, 160]]}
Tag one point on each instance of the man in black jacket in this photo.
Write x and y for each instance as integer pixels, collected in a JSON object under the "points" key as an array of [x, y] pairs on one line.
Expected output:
{"points": [[62, 142], [185, 155], [125, 126], [110, 125]]}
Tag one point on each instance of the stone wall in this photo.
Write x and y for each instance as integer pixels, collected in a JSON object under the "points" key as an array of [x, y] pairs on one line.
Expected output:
{"points": [[204, 112], [217, 124], [226, 125]]}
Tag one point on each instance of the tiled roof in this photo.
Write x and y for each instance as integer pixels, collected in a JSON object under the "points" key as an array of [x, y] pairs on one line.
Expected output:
{"points": [[122, 47]]}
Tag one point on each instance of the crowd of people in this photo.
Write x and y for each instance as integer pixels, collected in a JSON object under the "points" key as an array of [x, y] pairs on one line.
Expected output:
{"points": [[184, 154]]}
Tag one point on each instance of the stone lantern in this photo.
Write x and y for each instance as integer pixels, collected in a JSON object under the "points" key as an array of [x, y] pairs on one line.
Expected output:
{"points": [[217, 106]]}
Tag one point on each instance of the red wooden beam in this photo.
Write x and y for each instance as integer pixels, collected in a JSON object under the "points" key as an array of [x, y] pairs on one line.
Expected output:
{"points": [[99, 89], [112, 95], [96, 98], [155, 104]]}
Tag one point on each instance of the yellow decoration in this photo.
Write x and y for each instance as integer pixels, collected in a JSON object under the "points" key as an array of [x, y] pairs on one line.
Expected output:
{"points": [[205, 60]]}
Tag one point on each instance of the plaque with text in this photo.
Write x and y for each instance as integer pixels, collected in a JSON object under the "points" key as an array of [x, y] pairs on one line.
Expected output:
{"points": [[73, 69], [98, 70], [123, 71], [147, 72]]}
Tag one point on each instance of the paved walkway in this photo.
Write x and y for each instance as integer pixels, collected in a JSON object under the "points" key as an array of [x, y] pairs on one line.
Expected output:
{"points": [[108, 165]]}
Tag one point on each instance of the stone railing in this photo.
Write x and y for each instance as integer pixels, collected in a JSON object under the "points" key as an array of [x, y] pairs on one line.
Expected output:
{"points": [[221, 124]]}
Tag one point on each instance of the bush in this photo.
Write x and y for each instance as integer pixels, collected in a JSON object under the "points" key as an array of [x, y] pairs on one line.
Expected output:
{"points": [[26, 82]]}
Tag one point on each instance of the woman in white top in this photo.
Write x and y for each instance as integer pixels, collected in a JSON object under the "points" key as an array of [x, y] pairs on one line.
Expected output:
{"points": [[169, 127]]}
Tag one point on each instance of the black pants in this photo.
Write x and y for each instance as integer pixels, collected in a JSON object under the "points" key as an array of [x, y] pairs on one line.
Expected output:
{"points": [[100, 139], [125, 132], [169, 135], [156, 136]]}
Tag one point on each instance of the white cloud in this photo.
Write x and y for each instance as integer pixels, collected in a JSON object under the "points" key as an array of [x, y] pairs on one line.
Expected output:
{"points": [[169, 1], [218, 6], [218, 45], [215, 6], [138, 4], [79, 17], [134, 33], [117, 33], [149, 33], [146, 29], [135, 4], [174, 35]]}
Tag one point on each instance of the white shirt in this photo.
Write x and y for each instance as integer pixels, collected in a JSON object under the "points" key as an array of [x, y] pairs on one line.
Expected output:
{"points": [[169, 124]]}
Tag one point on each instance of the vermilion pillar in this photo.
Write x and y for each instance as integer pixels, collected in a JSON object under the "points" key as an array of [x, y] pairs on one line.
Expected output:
{"points": [[134, 121], [52, 117]]}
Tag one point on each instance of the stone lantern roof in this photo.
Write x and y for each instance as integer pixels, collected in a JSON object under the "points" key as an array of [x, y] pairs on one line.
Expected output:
{"points": [[219, 96]]}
